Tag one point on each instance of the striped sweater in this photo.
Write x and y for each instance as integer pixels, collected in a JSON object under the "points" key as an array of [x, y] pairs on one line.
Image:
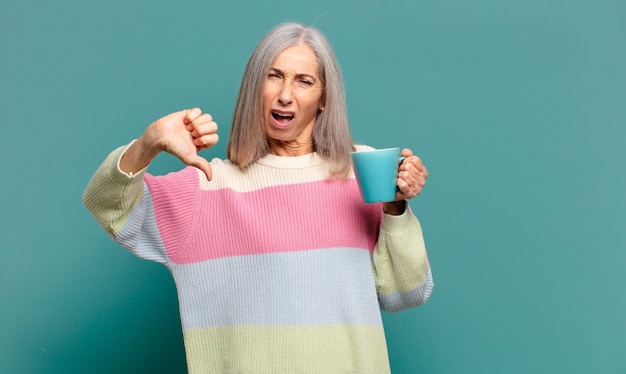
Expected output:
{"points": [[278, 269]]}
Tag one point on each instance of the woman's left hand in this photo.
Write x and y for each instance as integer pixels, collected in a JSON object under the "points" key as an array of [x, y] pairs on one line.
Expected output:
{"points": [[411, 180], [412, 176]]}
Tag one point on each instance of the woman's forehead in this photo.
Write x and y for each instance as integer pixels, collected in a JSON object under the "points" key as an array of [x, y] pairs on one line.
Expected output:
{"points": [[297, 59]]}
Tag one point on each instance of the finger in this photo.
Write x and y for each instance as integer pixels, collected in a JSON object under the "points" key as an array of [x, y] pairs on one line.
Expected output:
{"points": [[408, 187], [202, 118], [410, 182], [407, 192], [420, 168], [404, 192], [410, 170], [405, 173], [191, 115], [202, 127], [205, 141], [414, 161], [414, 165], [403, 187]]}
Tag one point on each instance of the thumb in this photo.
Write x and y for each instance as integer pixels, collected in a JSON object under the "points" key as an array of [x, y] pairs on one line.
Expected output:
{"points": [[202, 164], [406, 152]]}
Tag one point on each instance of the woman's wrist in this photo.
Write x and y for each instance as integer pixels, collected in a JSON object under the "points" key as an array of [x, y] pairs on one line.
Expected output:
{"points": [[137, 157], [395, 208]]}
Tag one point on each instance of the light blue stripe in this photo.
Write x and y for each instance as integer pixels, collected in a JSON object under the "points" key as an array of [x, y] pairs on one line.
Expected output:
{"points": [[140, 235], [329, 286], [402, 300]]}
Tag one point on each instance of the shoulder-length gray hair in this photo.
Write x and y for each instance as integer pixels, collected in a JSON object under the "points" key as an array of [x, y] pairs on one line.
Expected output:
{"points": [[331, 134]]}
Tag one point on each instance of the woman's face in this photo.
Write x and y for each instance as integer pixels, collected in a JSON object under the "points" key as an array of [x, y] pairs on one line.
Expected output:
{"points": [[292, 96]]}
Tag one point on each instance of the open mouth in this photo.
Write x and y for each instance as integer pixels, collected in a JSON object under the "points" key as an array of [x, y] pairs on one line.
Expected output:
{"points": [[282, 118]]}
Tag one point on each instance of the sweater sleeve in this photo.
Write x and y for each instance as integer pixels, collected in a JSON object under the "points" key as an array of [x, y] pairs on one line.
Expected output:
{"points": [[400, 263], [121, 204]]}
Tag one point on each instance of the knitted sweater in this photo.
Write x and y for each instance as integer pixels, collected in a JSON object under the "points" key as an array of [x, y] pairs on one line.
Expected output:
{"points": [[278, 268]]}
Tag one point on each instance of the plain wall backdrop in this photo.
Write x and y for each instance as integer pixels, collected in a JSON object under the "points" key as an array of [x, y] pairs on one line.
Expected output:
{"points": [[518, 108]]}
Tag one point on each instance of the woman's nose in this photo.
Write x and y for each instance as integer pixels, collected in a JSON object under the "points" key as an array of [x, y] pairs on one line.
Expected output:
{"points": [[285, 96]]}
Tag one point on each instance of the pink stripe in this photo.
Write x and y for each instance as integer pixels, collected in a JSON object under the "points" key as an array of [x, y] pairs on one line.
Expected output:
{"points": [[276, 219]]}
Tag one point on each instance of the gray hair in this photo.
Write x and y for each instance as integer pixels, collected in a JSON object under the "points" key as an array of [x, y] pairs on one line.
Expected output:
{"points": [[331, 134]]}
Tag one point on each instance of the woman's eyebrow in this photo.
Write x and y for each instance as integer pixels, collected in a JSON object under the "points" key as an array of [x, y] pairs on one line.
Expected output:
{"points": [[300, 75], [276, 70]]}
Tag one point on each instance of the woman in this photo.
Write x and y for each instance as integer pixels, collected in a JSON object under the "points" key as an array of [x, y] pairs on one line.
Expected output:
{"points": [[279, 265]]}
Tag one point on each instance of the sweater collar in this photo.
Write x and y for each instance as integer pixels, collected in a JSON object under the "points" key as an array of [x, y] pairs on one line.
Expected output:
{"points": [[291, 162]]}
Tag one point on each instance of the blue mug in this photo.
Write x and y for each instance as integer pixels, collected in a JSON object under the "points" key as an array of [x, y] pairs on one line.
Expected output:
{"points": [[376, 172]]}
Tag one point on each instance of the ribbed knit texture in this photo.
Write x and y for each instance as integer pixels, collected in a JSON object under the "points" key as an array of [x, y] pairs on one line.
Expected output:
{"points": [[278, 269]]}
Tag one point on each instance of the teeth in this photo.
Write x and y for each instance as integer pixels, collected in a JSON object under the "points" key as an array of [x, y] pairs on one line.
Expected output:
{"points": [[282, 115]]}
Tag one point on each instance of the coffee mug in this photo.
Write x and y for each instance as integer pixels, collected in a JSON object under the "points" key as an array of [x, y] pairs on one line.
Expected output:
{"points": [[376, 172]]}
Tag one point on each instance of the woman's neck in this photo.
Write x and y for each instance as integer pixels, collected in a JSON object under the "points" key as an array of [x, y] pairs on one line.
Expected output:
{"points": [[292, 148]]}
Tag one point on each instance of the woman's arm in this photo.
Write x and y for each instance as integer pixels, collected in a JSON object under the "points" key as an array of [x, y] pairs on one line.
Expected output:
{"points": [[118, 197], [111, 194], [401, 268], [183, 134]]}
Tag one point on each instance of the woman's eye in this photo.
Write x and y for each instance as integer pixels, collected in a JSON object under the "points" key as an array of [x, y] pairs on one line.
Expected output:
{"points": [[306, 82]]}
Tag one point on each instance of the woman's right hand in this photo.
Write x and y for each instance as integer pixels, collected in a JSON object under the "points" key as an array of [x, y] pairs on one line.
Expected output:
{"points": [[182, 134]]}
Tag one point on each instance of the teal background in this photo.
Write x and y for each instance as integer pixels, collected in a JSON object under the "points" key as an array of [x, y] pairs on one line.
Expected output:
{"points": [[518, 108]]}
